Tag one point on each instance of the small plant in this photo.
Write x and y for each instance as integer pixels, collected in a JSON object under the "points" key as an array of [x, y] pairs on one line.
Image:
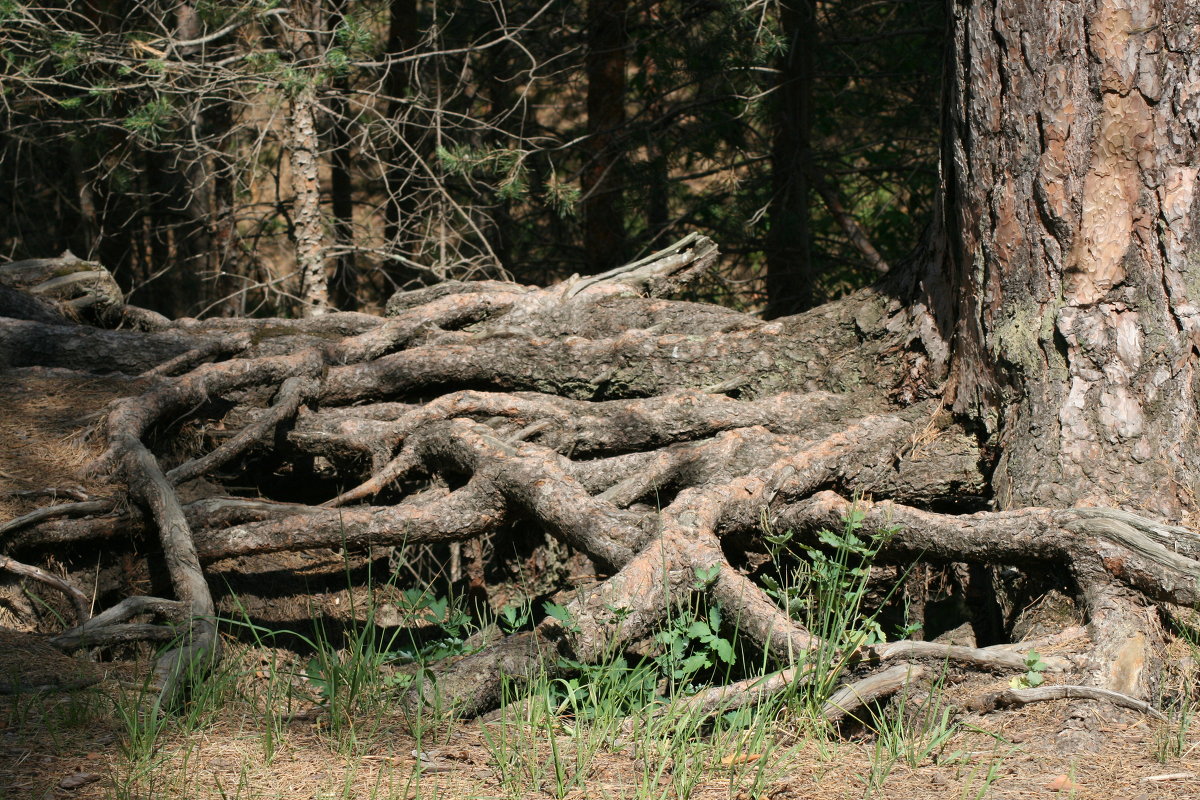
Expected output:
{"points": [[692, 645], [529, 727], [141, 727], [514, 616], [1032, 677], [562, 614], [706, 576], [1171, 737], [826, 591], [914, 733], [978, 791], [421, 607], [824, 588]]}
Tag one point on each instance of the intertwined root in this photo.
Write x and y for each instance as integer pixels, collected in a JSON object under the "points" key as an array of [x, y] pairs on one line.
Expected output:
{"points": [[654, 437]]}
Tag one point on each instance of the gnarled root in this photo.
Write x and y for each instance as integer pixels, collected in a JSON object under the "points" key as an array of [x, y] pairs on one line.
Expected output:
{"points": [[651, 436]]}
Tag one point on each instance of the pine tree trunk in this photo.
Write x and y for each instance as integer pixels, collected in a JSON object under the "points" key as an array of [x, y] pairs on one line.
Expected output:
{"points": [[789, 259], [402, 37], [306, 205], [1065, 296], [304, 148], [1072, 164]]}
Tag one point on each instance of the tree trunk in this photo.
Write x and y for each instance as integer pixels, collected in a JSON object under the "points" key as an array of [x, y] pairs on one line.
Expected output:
{"points": [[790, 275], [341, 189], [341, 195], [308, 225], [1063, 302], [603, 215], [304, 153], [402, 38], [1071, 218]]}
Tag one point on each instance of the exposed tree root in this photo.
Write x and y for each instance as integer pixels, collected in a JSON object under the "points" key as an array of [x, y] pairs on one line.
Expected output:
{"points": [[80, 509], [654, 437], [1041, 694], [845, 702], [77, 597], [109, 626], [852, 698], [198, 646]]}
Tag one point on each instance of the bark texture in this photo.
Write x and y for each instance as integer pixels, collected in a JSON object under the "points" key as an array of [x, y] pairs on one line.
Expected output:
{"points": [[1073, 212], [304, 149]]}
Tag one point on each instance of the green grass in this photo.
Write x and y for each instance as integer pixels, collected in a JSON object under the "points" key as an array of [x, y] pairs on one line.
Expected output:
{"points": [[555, 732], [909, 731], [825, 588]]}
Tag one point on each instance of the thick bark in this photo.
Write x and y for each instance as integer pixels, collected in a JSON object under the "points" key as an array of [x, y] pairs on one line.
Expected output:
{"points": [[1071, 172], [1060, 307], [28, 344]]}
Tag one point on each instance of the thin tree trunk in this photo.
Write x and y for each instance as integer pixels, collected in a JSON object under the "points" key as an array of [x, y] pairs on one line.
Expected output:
{"points": [[790, 275], [341, 188], [603, 218], [341, 195], [303, 147], [304, 153], [209, 185], [402, 37], [498, 89], [183, 195], [226, 261]]}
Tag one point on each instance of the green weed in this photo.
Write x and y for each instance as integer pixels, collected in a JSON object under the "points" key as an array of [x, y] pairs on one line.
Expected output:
{"points": [[825, 589], [1032, 676]]}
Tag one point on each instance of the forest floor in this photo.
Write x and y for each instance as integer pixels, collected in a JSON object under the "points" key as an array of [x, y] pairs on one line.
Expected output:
{"points": [[274, 724], [91, 744]]}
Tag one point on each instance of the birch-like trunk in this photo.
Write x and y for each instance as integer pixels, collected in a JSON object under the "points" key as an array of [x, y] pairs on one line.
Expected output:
{"points": [[303, 146]]}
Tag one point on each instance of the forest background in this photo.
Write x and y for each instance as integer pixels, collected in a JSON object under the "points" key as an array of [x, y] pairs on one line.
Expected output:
{"points": [[266, 158]]}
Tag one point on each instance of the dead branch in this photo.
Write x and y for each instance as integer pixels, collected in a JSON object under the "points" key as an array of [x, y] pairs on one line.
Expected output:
{"points": [[1021, 697], [80, 600]]}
